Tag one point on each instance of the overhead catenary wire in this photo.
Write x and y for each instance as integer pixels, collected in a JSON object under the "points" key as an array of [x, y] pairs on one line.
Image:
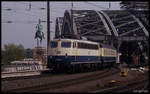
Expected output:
{"points": [[9, 9], [19, 21], [10, 21], [20, 12], [30, 5], [23, 21], [27, 12], [28, 8], [16, 11]]}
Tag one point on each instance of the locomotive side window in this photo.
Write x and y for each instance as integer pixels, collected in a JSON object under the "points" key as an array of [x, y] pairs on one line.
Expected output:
{"points": [[54, 44], [87, 46], [66, 44]]}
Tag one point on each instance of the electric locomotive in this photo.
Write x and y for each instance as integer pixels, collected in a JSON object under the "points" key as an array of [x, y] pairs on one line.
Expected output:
{"points": [[65, 54]]}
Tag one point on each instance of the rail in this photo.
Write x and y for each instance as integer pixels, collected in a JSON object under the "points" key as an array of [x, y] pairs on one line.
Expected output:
{"points": [[65, 83], [131, 86]]}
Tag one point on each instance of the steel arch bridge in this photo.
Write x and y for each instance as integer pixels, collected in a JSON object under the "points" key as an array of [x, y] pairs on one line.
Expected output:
{"points": [[107, 26], [95, 25]]}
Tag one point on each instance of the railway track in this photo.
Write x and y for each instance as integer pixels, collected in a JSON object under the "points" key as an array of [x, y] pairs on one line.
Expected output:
{"points": [[65, 83], [127, 87], [133, 87]]}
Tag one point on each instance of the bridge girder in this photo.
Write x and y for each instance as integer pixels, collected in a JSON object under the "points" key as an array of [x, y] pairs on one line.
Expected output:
{"points": [[58, 27], [114, 23]]}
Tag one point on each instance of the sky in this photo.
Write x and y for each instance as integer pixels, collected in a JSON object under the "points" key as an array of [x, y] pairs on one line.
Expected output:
{"points": [[22, 29]]}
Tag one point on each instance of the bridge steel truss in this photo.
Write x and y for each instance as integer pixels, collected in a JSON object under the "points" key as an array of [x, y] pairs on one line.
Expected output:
{"points": [[58, 27], [107, 26]]}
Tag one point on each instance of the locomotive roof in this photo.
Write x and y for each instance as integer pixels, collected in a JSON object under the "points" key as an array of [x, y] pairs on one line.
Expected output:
{"points": [[87, 41]]}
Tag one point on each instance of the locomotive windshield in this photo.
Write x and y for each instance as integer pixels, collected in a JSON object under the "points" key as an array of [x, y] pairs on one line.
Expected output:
{"points": [[54, 44], [66, 44]]}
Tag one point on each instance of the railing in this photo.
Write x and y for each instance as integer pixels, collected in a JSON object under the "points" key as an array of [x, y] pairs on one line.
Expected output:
{"points": [[21, 67]]}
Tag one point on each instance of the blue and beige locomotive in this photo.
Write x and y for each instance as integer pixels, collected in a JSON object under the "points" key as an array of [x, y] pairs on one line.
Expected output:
{"points": [[73, 54]]}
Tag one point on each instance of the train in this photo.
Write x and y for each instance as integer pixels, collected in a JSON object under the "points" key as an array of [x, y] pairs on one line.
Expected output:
{"points": [[74, 54]]}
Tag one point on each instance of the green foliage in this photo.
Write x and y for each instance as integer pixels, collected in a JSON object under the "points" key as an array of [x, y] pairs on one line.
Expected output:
{"points": [[12, 52], [29, 53]]}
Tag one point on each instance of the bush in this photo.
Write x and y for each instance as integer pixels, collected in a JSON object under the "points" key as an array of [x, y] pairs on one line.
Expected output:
{"points": [[12, 52]]}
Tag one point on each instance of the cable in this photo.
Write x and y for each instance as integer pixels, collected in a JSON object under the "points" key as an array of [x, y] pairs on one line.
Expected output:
{"points": [[9, 21], [22, 12], [9, 9], [23, 21], [6, 8], [31, 5]]}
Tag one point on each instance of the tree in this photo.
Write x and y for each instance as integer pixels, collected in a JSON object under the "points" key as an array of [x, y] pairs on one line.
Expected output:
{"points": [[29, 53], [12, 52]]}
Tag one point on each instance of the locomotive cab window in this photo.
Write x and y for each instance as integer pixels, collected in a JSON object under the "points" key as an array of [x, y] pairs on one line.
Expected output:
{"points": [[54, 44], [66, 44]]}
